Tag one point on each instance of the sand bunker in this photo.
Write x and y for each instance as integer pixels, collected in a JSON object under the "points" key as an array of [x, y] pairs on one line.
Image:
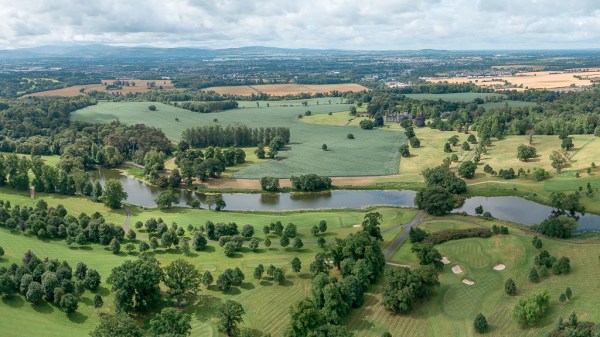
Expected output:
{"points": [[445, 260], [357, 225], [499, 267], [456, 269], [468, 282]]}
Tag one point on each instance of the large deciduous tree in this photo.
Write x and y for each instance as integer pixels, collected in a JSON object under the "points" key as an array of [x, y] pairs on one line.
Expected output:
{"points": [[136, 283], [182, 278], [113, 194]]}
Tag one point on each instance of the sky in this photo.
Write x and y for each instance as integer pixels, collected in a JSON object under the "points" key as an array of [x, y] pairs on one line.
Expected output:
{"points": [[348, 24]]}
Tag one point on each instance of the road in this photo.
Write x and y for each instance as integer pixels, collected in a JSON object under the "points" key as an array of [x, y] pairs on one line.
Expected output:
{"points": [[406, 229]]}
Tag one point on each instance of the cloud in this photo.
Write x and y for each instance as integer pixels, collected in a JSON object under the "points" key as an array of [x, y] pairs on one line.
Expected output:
{"points": [[347, 24]]}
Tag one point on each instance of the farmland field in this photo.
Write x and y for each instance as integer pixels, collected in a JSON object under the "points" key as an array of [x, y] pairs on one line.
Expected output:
{"points": [[285, 89], [140, 86], [452, 308], [533, 80], [463, 97], [372, 152]]}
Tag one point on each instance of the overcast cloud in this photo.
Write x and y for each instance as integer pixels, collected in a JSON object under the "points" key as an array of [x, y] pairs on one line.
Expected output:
{"points": [[349, 24]]}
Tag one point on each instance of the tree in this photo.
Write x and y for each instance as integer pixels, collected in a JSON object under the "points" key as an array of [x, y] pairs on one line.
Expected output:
{"points": [[115, 246], [537, 243], [305, 318], [92, 279], [68, 303], [296, 265], [253, 245], [207, 278], [416, 235], [404, 151], [267, 242], [98, 302], [166, 199], [428, 255], [510, 288], [568, 293], [113, 193], [270, 184], [314, 230], [558, 161], [259, 271], [298, 244], [467, 169], [290, 230], [182, 278], [230, 315], [525, 152], [447, 148], [404, 286], [224, 280], [8, 287], [117, 325], [562, 298], [534, 276], [465, 146], [199, 241], [371, 223], [480, 324], [279, 275], [35, 292], [152, 107], [567, 144], [479, 210], [324, 147], [171, 322], [323, 226], [529, 310], [136, 283], [442, 176], [434, 200], [285, 241]]}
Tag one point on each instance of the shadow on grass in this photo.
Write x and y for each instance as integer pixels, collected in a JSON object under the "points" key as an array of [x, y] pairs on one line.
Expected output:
{"points": [[43, 308], [14, 301], [247, 286], [77, 317], [203, 307], [102, 291]]}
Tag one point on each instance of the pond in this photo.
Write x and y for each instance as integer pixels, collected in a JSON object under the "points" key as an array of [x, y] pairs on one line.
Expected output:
{"points": [[513, 209]]}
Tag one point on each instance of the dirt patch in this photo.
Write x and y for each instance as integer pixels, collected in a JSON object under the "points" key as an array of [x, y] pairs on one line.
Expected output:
{"points": [[457, 270], [499, 267], [468, 282], [445, 260]]}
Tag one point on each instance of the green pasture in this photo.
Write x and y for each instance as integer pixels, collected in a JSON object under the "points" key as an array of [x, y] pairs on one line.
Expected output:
{"points": [[372, 152]]}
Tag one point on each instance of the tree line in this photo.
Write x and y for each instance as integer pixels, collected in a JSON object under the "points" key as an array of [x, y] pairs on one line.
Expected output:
{"points": [[232, 135]]}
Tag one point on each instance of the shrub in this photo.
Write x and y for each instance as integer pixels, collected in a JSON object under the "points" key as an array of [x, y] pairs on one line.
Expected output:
{"points": [[480, 324], [445, 235], [367, 124]]}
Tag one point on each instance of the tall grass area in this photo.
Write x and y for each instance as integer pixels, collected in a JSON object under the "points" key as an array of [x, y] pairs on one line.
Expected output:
{"points": [[372, 152], [453, 307]]}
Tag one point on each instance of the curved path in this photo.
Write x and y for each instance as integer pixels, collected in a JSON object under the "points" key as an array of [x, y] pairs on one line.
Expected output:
{"points": [[397, 241]]}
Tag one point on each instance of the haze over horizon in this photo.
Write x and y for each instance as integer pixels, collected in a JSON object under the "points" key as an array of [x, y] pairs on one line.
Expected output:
{"points": [[380, 25]]}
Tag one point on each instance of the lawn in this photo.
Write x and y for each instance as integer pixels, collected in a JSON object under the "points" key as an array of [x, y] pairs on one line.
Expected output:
{"points": [[452, 308], [266, 304], [373, 152]]}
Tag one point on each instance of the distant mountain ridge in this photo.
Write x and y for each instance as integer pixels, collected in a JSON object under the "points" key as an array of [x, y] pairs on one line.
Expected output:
{"points": [[103, 51]]}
